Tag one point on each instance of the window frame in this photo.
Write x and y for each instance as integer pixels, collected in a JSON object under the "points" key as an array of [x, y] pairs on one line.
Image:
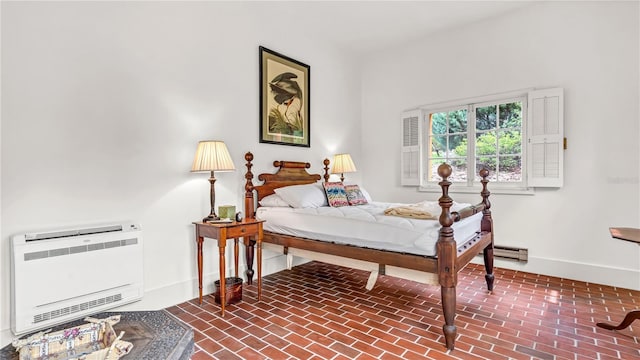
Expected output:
{"points": [[523, 137], [471, 185], [426, 135]]}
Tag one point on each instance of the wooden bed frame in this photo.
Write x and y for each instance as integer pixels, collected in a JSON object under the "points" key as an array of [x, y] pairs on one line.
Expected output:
{"points": [[449, 260]]}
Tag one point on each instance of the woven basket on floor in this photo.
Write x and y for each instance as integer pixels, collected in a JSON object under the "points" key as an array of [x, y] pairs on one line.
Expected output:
{"points": [[232, 290], [93, 341]]}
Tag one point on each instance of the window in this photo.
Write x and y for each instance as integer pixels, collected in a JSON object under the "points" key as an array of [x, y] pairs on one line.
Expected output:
{"points": [[518, 137]]}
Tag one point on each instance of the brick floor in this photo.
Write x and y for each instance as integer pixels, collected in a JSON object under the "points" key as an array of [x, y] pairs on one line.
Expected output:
{"points": [[321, 311]]}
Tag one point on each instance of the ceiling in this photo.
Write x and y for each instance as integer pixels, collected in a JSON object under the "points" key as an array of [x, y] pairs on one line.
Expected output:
{"points": [[363, 27]]}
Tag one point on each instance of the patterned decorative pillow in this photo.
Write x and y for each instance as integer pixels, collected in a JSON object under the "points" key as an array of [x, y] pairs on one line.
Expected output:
{"points": [[336, 195], [354, 195]]}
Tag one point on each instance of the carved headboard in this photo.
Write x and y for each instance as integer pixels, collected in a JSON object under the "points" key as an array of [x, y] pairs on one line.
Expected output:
{"points": [[288, 173]]}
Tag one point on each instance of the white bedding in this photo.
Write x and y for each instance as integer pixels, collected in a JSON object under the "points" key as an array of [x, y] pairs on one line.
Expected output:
{"points": [[366, 226]]}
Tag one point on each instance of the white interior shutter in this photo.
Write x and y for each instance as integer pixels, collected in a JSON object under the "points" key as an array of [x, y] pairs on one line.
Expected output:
{"points": [[545, 132], [410, 160]]}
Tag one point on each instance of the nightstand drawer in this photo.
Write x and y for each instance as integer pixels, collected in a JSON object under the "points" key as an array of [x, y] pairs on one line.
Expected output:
{"points": [[243, 230]]}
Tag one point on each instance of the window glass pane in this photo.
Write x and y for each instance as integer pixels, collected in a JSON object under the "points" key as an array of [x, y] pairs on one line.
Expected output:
{"points": [[510, 142], [458, 145], [486, 143], [438, 123], [458, 121], [461, 149], [486, 117], [488, 163], [510, 168], [433, 164], [438, 146], [511, 115], [459, 166]]}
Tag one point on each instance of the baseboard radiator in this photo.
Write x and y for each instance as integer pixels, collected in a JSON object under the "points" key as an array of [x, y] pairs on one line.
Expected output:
{"points": [[510, 253], [63, 275]]}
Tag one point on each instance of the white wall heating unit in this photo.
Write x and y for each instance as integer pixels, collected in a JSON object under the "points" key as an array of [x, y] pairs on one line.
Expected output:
{"points": [[63, 275]]}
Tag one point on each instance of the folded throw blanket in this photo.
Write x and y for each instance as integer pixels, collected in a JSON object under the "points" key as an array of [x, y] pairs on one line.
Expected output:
{"points": [[426, 210]]}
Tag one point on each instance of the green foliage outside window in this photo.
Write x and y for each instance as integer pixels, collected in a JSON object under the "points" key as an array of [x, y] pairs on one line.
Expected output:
{"points": [[498, 138], [450, 136], [510, 142]]}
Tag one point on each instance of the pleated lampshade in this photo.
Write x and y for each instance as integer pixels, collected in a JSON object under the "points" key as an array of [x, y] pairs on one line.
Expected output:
{"points": [[212, 156], [342, 163]]}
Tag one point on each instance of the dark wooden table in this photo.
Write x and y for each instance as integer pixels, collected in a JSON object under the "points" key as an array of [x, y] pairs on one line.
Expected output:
{"points": [[633, 235], [248, 229]]}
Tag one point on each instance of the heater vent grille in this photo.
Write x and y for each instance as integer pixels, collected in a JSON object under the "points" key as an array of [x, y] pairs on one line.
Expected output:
{"points": [[78, 249], [68, 233], [511, 253], [76, 308]]}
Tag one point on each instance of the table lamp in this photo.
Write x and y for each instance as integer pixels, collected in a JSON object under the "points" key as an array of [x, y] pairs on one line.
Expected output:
{"points": [[212, 156], [342, 163]]}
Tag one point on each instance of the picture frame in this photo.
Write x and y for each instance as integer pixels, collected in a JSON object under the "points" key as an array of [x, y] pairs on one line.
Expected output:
{"points": [[284, 100]]}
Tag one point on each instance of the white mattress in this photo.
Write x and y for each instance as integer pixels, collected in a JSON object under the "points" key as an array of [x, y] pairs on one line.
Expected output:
{"points": [[366, 226]]}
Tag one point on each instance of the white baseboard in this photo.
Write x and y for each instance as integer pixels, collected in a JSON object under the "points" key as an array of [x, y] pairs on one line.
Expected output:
{"points": [[591, 273], [6, 336]]}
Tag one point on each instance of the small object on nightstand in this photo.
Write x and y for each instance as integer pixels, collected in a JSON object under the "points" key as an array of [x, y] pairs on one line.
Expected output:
{"points": [[239, 216], [219, 221], [227, 211]]}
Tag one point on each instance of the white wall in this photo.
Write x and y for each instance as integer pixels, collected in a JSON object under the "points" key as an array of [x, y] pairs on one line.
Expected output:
{"points": [[588, 48], [103, 104]]}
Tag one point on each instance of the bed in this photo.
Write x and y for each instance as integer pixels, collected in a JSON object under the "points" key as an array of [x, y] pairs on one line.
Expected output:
{"points": [[450, 253]]}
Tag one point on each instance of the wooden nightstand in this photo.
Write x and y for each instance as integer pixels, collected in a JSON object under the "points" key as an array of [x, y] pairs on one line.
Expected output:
{"points": [[247, 229]]}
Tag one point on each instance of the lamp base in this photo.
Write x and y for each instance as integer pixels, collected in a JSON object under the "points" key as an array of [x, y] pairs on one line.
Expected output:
{"points": [[211, 217]]}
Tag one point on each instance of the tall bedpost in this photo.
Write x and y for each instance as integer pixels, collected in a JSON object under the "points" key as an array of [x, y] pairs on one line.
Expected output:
{"points": [[249, 214], [326, 170], [487, 225], [446, 251], [248, 188]]}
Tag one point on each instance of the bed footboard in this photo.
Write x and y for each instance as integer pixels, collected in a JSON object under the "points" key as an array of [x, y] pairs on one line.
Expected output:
{"points": [[448, 262]]}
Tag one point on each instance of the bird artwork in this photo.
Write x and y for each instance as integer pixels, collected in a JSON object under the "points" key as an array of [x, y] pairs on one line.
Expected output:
{"points": [[286, 116]]}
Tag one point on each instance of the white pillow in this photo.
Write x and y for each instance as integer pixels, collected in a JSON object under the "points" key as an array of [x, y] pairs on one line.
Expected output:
{"points": [[366, 194], [273, 200], [303, 196]]}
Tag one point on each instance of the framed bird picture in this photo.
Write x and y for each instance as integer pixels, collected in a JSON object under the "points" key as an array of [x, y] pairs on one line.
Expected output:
{"points": [[284, 100]]}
